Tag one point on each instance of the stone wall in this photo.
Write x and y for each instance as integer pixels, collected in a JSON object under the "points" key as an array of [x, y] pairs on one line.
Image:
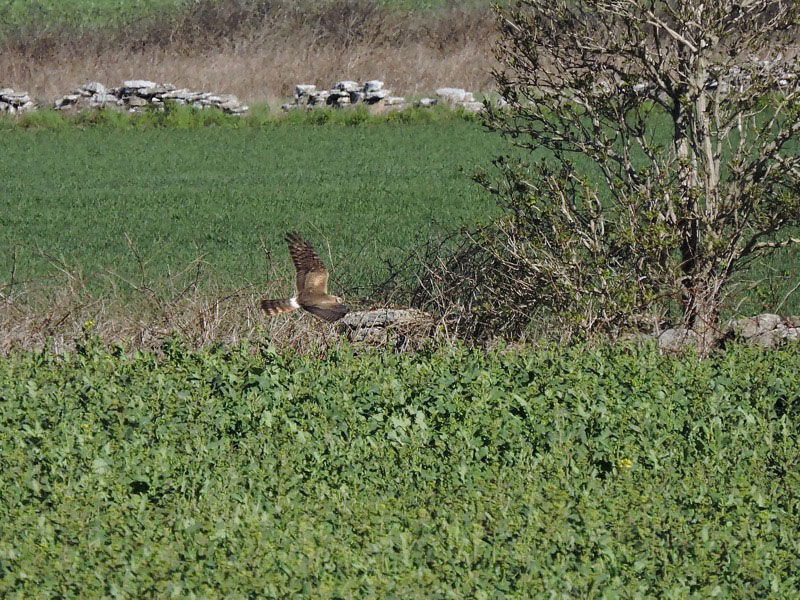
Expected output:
{"points": [[135, 95], [138, 94], [15, 102], [374, 93], [765, 330]]}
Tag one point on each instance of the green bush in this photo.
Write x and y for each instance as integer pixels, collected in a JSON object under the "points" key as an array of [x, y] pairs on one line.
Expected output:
{"points": [[585, 472]]}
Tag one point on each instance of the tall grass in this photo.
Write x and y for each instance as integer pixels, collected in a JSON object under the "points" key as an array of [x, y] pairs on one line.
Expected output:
{"points": [[257, 49]]}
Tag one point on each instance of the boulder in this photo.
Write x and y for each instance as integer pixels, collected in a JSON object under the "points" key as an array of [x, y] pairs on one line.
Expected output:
{"points": [[347, 86], [765, 330], [375, 96], [14, 102], [676, 340], [402, 328], [472, 107], [303, 90], [136, 84], [93, 88], [451, 95]]}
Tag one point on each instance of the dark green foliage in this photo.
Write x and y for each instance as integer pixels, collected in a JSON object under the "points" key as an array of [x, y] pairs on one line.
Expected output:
{"points": [[591, 472]]}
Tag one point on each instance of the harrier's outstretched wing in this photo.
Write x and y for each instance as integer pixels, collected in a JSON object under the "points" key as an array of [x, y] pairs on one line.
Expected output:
{"points": [[330, 311], [312, 276]]}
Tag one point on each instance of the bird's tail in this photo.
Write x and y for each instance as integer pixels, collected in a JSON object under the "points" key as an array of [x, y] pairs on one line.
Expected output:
{"points": [[276, 307]]}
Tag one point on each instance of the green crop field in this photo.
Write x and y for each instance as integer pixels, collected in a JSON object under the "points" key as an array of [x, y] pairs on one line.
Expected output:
{"points": [[233, 473], [365, 193]]}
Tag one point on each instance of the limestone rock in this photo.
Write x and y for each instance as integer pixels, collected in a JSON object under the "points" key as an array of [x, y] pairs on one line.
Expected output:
{"points": [[375, 96], [451, 95], [93, 88], [303, 90], [135, 101], [137, 94], [347, 86], [677, 340], [401, 327], [14, 102], [473, 107], [766, 330], [136, 84], [752, 326]]}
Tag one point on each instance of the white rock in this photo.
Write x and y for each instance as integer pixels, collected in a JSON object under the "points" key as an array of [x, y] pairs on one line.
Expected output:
{"points": [[451, 95], [394, 100], [93, 87], [68, 100], [373, 86], [304, 89], [426, 102], [347, 86], [469, 97], [473, 107], [155, 90], [318, 97], [135, 101], [376, 95], [677, 340], [138, 83], [100, 100]]}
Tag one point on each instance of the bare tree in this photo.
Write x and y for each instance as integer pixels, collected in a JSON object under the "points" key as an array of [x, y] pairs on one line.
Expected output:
{"points": [[665, 153]]}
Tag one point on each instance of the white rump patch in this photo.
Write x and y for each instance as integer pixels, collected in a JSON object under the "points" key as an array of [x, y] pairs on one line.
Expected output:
{"points": [[293, 302]]}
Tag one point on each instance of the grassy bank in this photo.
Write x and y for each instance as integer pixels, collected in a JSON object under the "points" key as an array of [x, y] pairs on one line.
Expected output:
{"points": [[585, 472]]}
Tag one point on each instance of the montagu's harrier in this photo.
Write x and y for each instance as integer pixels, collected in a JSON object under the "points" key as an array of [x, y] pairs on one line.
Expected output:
{"points": [[312, 285]]}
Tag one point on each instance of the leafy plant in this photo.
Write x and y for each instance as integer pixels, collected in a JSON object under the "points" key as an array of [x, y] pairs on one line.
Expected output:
{"points": [[239, 471]]}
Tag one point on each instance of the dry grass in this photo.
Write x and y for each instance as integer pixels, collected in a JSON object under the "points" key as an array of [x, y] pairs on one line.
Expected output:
{"points": [[259, 50], [57, 312]]}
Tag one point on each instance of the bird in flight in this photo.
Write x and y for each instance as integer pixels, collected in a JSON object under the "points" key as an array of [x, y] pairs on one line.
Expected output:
{"points": [[312, 285]]}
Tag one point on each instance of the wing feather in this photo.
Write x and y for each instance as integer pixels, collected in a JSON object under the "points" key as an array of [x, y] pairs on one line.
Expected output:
{"points": [[312, 276], [330, 312]]}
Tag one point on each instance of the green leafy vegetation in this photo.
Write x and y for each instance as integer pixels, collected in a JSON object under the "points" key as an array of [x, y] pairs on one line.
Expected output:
{"points": [[588, 472]]}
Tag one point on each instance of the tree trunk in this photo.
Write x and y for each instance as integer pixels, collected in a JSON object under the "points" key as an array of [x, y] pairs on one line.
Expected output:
{"points": [[701, 313]]}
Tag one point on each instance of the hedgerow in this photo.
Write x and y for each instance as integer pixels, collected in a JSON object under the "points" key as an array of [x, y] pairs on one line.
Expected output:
{"points": [[236, 472]]}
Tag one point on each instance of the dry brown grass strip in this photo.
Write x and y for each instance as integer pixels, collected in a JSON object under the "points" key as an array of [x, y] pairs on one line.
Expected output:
{"points": [[260, 50]]}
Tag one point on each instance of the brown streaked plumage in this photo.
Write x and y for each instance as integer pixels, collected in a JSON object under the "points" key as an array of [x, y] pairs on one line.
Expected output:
{"points": [[312, 285]]}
